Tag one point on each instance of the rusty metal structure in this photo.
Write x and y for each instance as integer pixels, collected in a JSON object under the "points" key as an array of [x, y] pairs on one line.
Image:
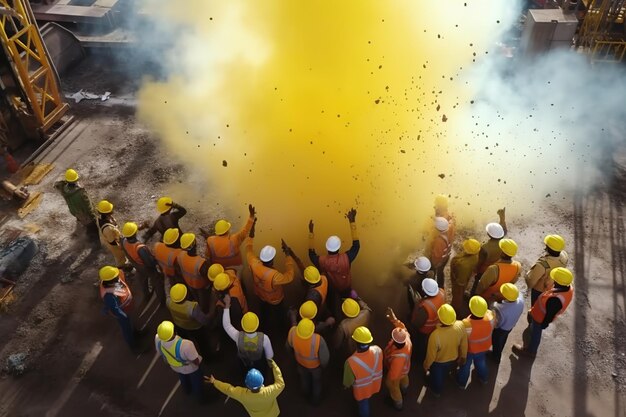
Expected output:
{"points": [[602, 33]]}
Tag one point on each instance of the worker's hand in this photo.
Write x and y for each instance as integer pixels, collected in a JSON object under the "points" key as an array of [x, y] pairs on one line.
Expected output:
{"points": [[209, 379], [251, 210], [426, 372], [390, 314], [311, 225], [351, 215], [502, 212], [286, 249], [252, 229], [226, 301]]}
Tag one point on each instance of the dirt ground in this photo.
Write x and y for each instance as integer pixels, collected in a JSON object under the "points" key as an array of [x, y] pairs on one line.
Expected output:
{"points": [[78, 365]]}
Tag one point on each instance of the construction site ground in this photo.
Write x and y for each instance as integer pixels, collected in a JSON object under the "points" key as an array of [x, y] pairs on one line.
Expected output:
{"points": [[78, 365]]}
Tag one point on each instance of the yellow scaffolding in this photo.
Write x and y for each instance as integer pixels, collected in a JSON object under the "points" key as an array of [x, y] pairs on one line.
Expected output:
{"points": [[597, 35]]}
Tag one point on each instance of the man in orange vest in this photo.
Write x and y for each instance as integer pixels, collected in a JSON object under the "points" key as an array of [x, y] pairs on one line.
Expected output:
{"points": [[227, 284], [166, 253], [223, 247], [550, 304], [490, 251], [311, 353], [169, 217], [538, 278], [424, 316], [397, 360], [140, 257], [440, 248], [363, 371], [505, 270], [118, 300], [462, 268], [479, 326], [194, 270]]}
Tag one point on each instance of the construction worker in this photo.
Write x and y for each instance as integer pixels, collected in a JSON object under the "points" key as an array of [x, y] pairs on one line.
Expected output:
{"points": [[170, 214], [424, 316], [186, 315], [503, 271], [194, 270], [549, 305], [462, 267], [117, 299], [479, 326], [447, 348], [257, 399], [335, 265], [77, 199], [311, 353], [508, 312], [414, 285], [109, 233], [181, 355], [363, 371], [142, 260], [166, 254], [223, 247], [227, 283], [490, 251], [309, 310], [440, 248], [397, 360], [538, 278], [317, 286], [356, 314]]}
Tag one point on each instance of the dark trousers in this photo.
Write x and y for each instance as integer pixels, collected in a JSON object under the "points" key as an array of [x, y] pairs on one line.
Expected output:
{"points": [[193, 383], [498, 340], [274, 315], [198, 336], [260, 365], [438, 373], [421, 344], [439, 275], [535, 330], [311, 383], [127, 330]]}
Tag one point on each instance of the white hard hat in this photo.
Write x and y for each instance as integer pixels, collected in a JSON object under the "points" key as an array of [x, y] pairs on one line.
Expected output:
{"points": [[422, 264], [267, 253], [333, 243], [441, 224], [495, 230], [430, 287]]}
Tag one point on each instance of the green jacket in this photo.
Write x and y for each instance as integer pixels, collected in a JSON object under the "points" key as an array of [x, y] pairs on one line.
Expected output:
{"points": [[77, 201]]}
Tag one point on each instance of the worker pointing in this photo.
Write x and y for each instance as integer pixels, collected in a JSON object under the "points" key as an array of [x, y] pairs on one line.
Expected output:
{"points": [[503, 271], [538, 278], [223, 247], [479, 326], [363, 371], [397, 360], [170, 214]]}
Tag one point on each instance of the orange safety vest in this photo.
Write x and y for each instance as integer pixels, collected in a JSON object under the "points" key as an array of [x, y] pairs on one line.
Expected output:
{"points": [[263, 284], [538, 310], [223, 251], [506, 273], [132, 251], [236, 291], [479, 338], [392, 354], [306, 350], [337, 268], [367, 368], [322, 289], [431, 305], [448, 247], [121, 291], [190, 269], [166, 258]]}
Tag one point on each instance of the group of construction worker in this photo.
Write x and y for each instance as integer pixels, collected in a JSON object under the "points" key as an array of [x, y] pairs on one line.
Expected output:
{"points": [[331, 323]]}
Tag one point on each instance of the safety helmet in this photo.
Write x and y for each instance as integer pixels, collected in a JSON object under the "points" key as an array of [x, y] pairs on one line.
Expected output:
{"points": [[129, 229], [311, 274], [105, 207], [562, 276], [441, 202], [478, 306], [471, 246], [164, 204], [267, 253], [509, 291], [171, 236], [308, 310], [214, 271], [554, 242], [187, 240], [178, 293], [430, 287], [422, 264], [222, 281], [250, 322], [333, 244], [350, 308], [107, 273], [165, 331], [495, 230], [221, 227], [446, 314], [362, 335], [399, 335], [508, 246], [254, 379], [441, 224], [71, 175], [305, 329]]}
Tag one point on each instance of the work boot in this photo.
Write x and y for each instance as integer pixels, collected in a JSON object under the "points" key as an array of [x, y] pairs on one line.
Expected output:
{"points": [[521, 351]]}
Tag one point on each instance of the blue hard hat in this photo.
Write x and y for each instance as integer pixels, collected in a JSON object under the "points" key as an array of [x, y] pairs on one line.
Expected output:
{"points": [[254, 379]]}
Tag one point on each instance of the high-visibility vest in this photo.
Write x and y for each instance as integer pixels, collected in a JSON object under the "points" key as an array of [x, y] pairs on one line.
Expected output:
{"points": [[172, 355], [263, 284], [448, 247], [190, 268], [479, 333], [223, 250], [305, 350], [322, 289], [367, 368], [337, 269], [538, 310], [250, 349], [166, 258], [132, 251], [236, 291], [181, 314], [393, 354], [121, 291], [431, 305], [506, 273]]}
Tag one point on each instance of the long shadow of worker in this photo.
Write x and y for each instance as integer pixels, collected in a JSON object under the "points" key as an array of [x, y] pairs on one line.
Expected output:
{"points": [[514, 395]]}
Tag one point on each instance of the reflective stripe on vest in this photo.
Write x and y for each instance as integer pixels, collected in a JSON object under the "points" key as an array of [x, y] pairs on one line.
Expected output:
{"points": [[132, 251], [506, 273], [431, 305], [173, 356], [407, 362], [263, 286], [229, 255], [190, 269], [367, 379], [181, 314], [305, 350], [166, 258], [250, 349], [120, 290], [337, 269], [538, 310], [322, 289], [479, 339]]}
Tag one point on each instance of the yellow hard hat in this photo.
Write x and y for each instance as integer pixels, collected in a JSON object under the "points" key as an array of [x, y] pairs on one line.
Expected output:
{"points": [[129, 229], [170, 236], [71, 175], [471, 246], [311, 274], [508, 246], [554, 242], [441, 201], [105, 207], [214, 271], [164, 204], [187, 240], [221, 227], [362, 335], [305, 329], [350, 308], [178, 293], [509, 291], [250, 322], [478, 306], [165, 331], [562, 276], [107, 273], [446, 314], [221, 282], [308, 310]]}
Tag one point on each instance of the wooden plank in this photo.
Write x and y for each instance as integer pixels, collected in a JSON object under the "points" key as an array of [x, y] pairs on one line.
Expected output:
{"points": [[66, 13], [105, 3]]}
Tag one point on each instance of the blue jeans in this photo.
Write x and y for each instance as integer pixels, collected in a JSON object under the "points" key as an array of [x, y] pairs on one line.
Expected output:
{"points": [[193, 383], [438, 372], [535, 336], [364, 407], [480, 363], [127, 330], [498, 340]]}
